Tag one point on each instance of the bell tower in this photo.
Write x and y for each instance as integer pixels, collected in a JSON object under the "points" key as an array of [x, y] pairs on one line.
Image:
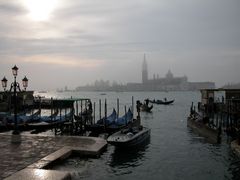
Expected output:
{"points": [[144, 70]]}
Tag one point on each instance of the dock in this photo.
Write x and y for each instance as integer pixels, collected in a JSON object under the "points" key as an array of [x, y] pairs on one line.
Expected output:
{"points": [[32, 157]]}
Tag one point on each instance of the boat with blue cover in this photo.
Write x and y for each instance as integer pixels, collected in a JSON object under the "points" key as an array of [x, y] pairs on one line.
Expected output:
{"points": [[112, 123], [100, 125]]}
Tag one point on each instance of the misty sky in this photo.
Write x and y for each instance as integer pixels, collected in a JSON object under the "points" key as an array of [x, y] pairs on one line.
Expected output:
{"points": [[74, 42]]}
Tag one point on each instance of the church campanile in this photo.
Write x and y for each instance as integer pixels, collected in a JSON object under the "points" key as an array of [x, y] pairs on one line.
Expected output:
{"points": [[144, 70]]}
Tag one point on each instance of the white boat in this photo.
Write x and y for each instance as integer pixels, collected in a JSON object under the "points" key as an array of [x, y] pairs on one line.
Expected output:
{"points": [[129, 137]]}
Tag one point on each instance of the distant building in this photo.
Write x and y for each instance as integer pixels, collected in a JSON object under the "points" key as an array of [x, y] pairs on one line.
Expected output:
{"points": [[144, 71], [167, 83], [232, 86], [200, 85]]}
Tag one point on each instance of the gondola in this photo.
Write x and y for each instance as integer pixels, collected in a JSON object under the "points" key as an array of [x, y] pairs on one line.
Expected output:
{"points": [[112, 123], [99, 126], [161, 102]]}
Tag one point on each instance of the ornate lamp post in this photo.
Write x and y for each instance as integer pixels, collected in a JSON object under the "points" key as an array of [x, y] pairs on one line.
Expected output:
{"points": [[15, 86]]}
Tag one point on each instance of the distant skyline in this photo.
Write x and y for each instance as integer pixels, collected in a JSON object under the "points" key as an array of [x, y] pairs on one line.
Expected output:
{"points": [[71, 43]]}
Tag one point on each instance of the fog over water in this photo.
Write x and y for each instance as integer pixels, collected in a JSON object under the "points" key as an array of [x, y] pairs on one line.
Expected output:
{"points": [[74, 42]]}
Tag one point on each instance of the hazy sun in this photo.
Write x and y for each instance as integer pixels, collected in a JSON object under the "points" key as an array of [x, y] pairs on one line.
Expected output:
{"points": [[40, 10]]}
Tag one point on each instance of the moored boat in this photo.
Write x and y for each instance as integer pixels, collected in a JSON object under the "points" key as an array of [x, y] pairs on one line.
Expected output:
{"points": [[112, 124], [100, 125], [200, 126], [129, 137]]}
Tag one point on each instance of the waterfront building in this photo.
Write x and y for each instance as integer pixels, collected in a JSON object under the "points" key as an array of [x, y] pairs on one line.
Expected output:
{"points": [[167, 83]]}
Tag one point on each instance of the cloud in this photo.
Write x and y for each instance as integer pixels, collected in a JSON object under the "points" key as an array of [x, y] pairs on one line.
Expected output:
{"points": [[180, 35], [65, 61]]}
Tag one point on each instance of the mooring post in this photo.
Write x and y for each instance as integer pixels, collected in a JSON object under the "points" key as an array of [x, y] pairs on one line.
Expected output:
{"points": [[94, 109], [40, 108], [105, 114], [117, 107], [65, 113], [133, 105], [81, 107], [230, 114], [77, 108], [125, 109], [227, 115], [221, 118], [51, 109], [100, 109]]}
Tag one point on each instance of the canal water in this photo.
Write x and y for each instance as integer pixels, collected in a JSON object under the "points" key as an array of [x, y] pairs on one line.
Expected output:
{"points": [[173, 152]]}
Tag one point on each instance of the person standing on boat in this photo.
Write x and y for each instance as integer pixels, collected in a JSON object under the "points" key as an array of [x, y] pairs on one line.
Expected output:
{"points": [[147, 102], [138, 106]]}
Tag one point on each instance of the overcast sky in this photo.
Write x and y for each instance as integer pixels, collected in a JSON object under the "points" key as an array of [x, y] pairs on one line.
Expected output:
{"points": [[74, 42]]}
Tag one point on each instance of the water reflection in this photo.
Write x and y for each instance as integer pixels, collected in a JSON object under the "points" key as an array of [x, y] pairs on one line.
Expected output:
{"points": [[123, 158], [234, 169]]}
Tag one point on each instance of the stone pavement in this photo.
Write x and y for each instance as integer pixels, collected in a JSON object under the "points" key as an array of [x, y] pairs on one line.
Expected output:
{"points": [[17, 156]]}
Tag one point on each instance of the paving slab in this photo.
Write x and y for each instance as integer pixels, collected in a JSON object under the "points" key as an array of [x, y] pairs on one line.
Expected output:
{"points": [[40, 174], [36, 152]]}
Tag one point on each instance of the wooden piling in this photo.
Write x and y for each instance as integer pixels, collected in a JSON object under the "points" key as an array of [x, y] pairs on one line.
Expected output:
{"points": [[81, 106], [94, 109], [100, 109], [133, 105], [105, 110], [117, 107], [77, 108], [125, 109]]}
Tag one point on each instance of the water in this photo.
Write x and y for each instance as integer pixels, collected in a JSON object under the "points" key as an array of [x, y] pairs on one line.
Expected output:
{"points": [[173, 152]]}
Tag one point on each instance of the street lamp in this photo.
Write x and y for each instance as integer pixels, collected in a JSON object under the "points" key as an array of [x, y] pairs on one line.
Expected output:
{"points": [[15, 71], [4, 83], [25, 82], [15, 86]]}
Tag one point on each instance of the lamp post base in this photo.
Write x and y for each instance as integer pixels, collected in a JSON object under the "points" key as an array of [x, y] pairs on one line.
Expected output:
{"points": [[16, 138], [16, 132]]}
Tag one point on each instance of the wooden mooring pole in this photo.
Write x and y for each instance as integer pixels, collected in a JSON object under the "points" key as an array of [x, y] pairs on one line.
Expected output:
{"points": [[94, 109], [117, 107]]}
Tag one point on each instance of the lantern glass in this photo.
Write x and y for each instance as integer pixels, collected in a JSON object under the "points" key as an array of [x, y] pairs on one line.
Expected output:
{"points": [[4, 82], [15, 71], [25, 82]]}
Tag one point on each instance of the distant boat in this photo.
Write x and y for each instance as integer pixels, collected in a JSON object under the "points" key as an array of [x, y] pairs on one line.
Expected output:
{"points": [[103, 94], [161, 102], [129, 137]]}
